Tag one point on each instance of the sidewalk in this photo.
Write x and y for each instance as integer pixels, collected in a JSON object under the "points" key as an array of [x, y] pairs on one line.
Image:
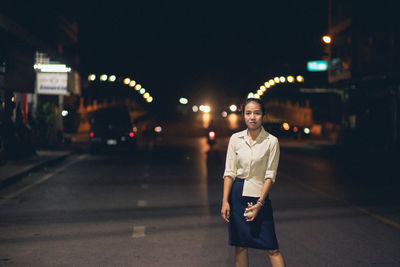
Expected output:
{"points": [[13, 170]]}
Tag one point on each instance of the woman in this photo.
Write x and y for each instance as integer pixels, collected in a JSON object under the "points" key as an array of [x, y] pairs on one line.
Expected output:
{"points": [[251, 164]]}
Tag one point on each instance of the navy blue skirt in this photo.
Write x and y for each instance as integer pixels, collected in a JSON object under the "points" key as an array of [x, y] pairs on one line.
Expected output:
{"points": [[260, 233]]}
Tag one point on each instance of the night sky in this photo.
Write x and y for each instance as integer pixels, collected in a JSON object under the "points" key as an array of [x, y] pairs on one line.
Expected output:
{"points": [[200, 49]]}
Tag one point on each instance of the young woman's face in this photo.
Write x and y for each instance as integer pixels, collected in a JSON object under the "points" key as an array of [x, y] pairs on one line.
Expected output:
{"points": [[253, 115]]}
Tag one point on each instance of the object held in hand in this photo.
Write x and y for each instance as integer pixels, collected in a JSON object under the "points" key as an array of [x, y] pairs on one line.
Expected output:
{"points": [[249, 214]]}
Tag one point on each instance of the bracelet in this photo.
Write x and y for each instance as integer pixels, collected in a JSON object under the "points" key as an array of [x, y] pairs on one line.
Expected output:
{"points": [[261, 202]]}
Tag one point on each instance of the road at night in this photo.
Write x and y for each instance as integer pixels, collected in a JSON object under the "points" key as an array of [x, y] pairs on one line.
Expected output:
{"points": [[160, 207]]}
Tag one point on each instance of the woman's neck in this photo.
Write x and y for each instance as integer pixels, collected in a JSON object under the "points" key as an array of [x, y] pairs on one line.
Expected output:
{"points": [[253, 133]]}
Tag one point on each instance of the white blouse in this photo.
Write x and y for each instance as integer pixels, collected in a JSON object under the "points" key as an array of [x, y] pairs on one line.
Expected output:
{"points": [[254, 163]]}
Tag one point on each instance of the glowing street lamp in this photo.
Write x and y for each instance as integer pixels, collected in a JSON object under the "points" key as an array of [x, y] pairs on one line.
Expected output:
{"points": [[290, 79], [112, 78], [127, 81], [300, 78], [103, 77], [327, 39], [233, 108], [183, 100]]}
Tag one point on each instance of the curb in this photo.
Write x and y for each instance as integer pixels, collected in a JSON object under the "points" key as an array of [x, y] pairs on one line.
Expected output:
{"points": [[16, 177]]}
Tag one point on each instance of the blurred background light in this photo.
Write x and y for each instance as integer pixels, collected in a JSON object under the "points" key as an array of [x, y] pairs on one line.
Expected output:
{"points": [[183, 101], [326, 39], [132, 83], [92, 77], [282, 79], [146, 95], [290, 79], [233, 108], [112, 78], [138, 86], [127, 81], [195, 108], [103, 77], [64, 113], [142, 91], [149, 99], [300, 78], [224, 114]]}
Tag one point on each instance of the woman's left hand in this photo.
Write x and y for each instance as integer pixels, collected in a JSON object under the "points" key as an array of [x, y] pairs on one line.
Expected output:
{"points": [[254, 209]]}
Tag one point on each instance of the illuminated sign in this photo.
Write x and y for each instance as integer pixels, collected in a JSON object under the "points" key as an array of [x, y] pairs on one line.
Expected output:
{"points": [[52, 83], [317, 65]]}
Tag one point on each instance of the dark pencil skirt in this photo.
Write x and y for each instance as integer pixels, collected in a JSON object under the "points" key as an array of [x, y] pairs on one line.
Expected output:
{"points": [[260, 233]]}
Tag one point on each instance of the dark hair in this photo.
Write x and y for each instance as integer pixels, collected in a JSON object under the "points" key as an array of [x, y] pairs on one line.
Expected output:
{"points": [[258, 101]]}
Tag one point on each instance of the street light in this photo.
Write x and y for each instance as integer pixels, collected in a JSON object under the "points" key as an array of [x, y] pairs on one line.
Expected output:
{"points": [[327, 39], [183, 100], [290, 79], [127, 81], [233, 108], [300, 78]]}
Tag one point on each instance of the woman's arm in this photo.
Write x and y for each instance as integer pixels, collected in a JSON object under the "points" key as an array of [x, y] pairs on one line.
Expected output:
{"points": [[256, 208], [225, 209]]}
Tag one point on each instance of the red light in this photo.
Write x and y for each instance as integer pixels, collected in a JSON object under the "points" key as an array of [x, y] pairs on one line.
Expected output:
{"points": [[91, 134], [211, 135], [131, 134]]}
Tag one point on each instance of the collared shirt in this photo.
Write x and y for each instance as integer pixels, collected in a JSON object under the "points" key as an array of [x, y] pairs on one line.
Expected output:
{"points": [[255, 162]]}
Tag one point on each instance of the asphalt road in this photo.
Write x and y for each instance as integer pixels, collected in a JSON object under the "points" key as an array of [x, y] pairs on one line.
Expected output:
{"points": [[159, 206]]}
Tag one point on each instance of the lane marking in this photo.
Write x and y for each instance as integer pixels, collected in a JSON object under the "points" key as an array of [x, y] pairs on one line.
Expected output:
{"points": [[139, 231], [142, 203], [361, 209], [39, 181]]}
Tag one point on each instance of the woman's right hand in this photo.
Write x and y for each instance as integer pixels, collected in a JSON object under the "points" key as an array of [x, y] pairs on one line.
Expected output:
{"points": [[225, 211]]}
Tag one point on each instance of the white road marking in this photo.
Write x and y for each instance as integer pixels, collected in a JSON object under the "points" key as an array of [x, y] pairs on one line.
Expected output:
{"points": [[41, 180], [142, 203], [139, 231]]}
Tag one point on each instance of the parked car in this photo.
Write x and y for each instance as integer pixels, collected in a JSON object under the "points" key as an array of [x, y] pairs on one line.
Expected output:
{"points": [[111, 127]]}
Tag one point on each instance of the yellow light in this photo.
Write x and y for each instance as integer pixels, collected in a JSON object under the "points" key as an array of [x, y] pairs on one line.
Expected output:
{"points": [[112, 78], [300, 78], [267, 84], [149, 99], [146, 95], [132, 83], [103, 77], [326, 39], [158, 129], [142, 91], [276, 79], [262, 88], [282, 79], [183, 100], [195, 108], [127, 81], [257, 96], [290, 79], [250, 95], [286, 126], [260, 92], [137, 87], [307, 130], [271, 82], [233, 108], [92, 77], [12, 99], [207, 109]]}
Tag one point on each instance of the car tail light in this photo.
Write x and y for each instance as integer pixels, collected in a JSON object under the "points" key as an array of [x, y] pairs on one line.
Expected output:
{"points": [[91, 134], [211, 135], [131, 134]]}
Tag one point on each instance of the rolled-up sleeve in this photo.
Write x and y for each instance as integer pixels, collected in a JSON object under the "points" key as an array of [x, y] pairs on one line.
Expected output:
{"points": [[230, 164], [273, 161]]}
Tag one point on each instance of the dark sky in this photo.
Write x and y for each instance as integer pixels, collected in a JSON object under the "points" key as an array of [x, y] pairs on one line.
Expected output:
{"points": [[195, 48]]}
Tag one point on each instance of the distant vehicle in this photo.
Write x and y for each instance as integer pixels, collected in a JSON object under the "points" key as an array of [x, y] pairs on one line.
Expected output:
{"points": [[111, 127]]}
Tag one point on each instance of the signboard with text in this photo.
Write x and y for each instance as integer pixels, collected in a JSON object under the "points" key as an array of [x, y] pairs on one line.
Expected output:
{"points": [[52, 83]]}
